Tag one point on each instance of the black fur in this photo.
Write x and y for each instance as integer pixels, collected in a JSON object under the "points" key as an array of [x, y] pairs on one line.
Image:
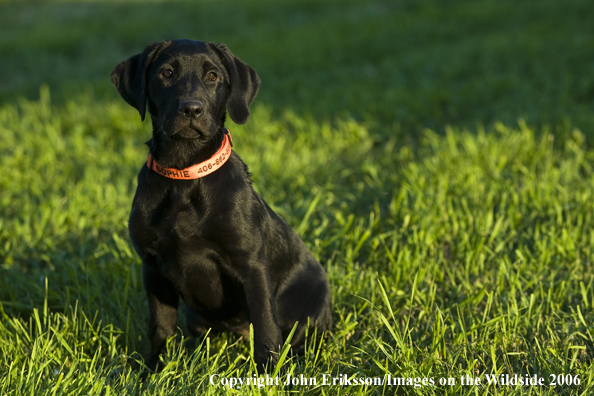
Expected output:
{"points": [[213, 241]]}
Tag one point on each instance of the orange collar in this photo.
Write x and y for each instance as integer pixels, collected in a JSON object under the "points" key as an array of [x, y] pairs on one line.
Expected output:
{"points": [[199, 170]]}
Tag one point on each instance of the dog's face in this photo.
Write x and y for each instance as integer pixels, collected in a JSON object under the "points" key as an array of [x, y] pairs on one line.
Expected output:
{"points": [[187, 90], [188, 86]]}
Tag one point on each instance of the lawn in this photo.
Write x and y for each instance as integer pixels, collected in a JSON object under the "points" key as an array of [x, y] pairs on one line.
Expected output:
{"points": [[435, 156]]}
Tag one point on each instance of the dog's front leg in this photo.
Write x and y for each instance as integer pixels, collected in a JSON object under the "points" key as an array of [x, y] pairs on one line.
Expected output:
{"points": [[262, 314], [163, 301]]}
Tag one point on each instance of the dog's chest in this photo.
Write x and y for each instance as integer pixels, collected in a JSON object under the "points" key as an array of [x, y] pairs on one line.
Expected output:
{"points": [[176, 221], [171, 236], [171, 214], [161, 227]]}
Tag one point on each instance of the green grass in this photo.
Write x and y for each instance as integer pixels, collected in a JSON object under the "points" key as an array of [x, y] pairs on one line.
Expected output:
{"points": [[434, 156]]}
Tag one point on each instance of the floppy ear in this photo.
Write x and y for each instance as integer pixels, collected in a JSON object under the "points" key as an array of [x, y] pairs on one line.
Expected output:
{"points": [[244, 85], [129, 77]]}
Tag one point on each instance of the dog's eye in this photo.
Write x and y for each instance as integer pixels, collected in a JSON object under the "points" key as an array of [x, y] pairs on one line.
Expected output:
{"points": [[167, 73], [212, 76]]}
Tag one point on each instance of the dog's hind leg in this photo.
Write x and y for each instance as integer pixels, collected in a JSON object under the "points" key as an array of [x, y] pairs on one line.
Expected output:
{"points": [[307, 300]]}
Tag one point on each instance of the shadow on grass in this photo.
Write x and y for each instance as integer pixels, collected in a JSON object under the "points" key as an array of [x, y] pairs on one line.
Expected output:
{"points": [[409, 63]]}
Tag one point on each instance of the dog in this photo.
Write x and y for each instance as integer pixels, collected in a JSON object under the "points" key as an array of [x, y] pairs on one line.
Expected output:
{"points": [[201, 230]]}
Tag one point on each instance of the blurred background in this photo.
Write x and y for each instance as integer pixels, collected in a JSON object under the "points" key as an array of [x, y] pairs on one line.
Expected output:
{"points": [[398, 65]]}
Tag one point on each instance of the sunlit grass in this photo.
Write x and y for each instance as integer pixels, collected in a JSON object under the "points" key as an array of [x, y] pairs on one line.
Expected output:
{"points": [[469, 255]]}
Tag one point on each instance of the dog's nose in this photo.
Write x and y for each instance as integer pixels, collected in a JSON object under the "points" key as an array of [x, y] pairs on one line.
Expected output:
{"points": [[191, 109]]}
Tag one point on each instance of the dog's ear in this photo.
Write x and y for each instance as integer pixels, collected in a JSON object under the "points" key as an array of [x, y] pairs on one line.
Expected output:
{"points": [[129, 77], [244, 85]]}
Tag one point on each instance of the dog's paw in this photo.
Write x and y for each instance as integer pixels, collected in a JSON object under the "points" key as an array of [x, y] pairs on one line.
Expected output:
{"points": [[153, 364], [266, 361]]}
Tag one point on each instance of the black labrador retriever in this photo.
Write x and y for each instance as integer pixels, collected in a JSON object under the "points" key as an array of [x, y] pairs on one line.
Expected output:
{"points": [[201, 230]]}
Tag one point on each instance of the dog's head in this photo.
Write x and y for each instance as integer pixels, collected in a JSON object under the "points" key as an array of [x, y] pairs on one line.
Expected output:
{"points": [[188, 86]]}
